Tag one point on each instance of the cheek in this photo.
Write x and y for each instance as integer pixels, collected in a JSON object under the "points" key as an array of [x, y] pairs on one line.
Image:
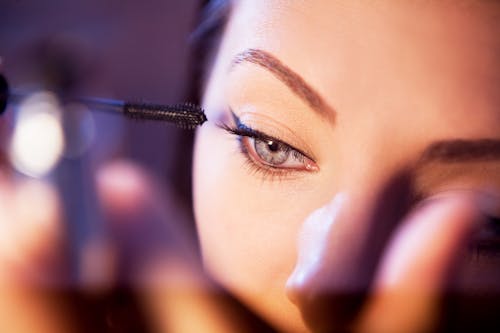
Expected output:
{"points": [[247, 226], [239, 223]]}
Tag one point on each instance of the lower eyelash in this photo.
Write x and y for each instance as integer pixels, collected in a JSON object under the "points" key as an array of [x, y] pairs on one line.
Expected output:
{"points": [[266, 172]]}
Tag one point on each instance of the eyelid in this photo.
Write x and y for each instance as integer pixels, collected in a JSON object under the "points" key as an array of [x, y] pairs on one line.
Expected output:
{"points": [[250, 132], [278, 128]]}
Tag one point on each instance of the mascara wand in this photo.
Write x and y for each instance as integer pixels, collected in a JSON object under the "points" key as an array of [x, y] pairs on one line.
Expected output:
{"points": [[184, 115]]}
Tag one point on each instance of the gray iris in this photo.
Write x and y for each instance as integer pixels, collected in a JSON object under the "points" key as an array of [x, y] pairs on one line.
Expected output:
{"points": [[272, 152]]}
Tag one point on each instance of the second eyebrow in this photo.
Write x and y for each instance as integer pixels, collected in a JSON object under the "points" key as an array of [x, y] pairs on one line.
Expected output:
{"points": [[291, 79], [453, 151]]}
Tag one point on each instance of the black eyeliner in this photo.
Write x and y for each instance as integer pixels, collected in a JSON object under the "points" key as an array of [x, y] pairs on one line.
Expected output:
{"points": [[243, 130]]}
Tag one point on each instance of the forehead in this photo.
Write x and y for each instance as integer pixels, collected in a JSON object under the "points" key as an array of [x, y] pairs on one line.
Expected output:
{"points": [[443, 32], [440, 49], [363, 13]]}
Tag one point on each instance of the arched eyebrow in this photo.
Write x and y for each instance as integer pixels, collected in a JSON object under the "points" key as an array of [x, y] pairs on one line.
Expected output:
{"points": [[290, 78], [460, 150]]}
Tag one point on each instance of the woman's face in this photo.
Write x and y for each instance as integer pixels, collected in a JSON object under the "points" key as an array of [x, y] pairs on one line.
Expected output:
{"points": [[346, 100]]}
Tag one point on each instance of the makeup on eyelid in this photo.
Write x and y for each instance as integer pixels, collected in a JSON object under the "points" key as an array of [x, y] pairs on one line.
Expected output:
{"points": [[266, 153], [252, 89], [287, 76], [273, 128]]}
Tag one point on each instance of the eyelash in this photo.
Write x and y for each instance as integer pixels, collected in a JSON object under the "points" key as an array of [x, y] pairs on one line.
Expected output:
{"points": [[478, 248], [242, 131]]}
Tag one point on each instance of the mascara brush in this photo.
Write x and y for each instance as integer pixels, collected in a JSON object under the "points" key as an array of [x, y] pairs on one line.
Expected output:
{"points": [[80, 206], [184, 115]]}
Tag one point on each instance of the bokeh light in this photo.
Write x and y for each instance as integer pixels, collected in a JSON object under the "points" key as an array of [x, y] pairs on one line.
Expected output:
{"points": [[38, 139]]}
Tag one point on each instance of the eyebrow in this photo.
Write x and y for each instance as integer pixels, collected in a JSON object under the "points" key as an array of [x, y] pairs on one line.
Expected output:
{"points": [[290, 78], [446, 151], [455, 151], [456, 157]]}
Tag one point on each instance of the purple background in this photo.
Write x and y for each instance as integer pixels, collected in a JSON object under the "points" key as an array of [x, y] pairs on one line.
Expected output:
{"points": [[131, 50]]}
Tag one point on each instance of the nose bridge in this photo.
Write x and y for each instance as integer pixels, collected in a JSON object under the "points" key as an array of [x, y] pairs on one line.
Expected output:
{"points": [[340, 247]]}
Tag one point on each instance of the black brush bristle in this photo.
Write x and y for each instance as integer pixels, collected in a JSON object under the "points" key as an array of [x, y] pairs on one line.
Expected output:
{"points": [[186, 115], [4, 93]]}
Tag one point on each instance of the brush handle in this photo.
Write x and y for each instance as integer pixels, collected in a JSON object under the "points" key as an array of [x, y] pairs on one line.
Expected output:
{"points": [[185, 115]]}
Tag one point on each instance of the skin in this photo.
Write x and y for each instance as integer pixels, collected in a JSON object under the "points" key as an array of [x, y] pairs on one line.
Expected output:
{"points": [[397, 78], [389, 206]]}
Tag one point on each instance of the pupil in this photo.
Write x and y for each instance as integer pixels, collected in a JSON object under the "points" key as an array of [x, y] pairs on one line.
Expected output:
{"points": [[273, 146]]}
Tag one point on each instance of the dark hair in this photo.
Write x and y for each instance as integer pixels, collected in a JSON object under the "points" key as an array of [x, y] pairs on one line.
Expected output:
{"points": [[204, 43]]}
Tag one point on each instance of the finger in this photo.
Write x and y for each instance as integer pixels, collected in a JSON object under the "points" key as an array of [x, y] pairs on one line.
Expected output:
{"points": [[29, 238], [415, 265], [30, 232], [148, 223]]}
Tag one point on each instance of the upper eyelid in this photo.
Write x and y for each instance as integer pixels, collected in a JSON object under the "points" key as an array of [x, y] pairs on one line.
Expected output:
{"points": [[245, 130], [249, 132]]}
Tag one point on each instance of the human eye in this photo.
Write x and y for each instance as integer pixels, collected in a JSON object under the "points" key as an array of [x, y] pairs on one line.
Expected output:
{"points": [[266, 154], [484, 238], [486, 241]]}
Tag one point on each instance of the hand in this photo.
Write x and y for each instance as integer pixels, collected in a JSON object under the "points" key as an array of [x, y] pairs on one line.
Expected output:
{"points": [[410, 274], [29, 258], [413, 272], [148, 249]]}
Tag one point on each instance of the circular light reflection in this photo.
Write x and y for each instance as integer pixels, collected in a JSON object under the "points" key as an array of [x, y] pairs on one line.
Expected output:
{"points": [[38, 140]]}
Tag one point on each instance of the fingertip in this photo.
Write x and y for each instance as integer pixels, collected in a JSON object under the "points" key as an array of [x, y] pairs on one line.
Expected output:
{"points": [[416, 262], [31, 232], [425, 243], [122, 186], [37, 215], [37, 203]]}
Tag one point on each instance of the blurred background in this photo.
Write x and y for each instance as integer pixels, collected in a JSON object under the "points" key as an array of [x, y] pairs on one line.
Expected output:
{"points": [[123, 49], [120, 49]]}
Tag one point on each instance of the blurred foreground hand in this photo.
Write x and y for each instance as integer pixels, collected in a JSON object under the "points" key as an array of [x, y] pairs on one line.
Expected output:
{"points": [[147, 247]]}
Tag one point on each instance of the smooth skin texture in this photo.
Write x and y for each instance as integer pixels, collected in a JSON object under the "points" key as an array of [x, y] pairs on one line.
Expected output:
{"points": [[400, 76]]}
